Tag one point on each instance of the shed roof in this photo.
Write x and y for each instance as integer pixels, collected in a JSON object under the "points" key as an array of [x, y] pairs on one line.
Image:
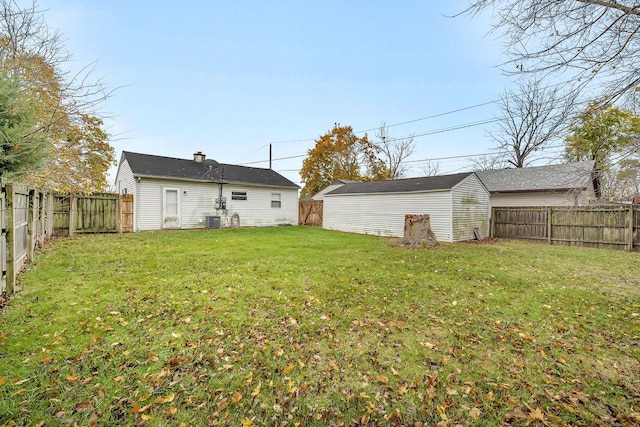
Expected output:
{"points": [[540, 178], [146, 165], [428, 183]]}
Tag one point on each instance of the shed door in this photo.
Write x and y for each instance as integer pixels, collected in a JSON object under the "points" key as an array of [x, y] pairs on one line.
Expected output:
{"points": [[171, 208]]}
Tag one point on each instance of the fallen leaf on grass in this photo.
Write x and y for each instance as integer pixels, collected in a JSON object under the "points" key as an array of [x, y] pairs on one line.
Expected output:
{"points": [[93, 419], [138, 410], [474, 413], [165, 399], [222, 405], [3, 380], [535, 415], [82, 406], [382, 379], [256, 391], [72, 378]]}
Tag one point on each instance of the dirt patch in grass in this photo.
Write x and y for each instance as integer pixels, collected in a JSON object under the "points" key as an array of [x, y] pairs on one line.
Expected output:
{"points": [[483, 241]]}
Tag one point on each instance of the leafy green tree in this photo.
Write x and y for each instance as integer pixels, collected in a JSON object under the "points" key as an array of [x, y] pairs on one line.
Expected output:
{"points": [[23, 149], [604, 133], [340, 154]]}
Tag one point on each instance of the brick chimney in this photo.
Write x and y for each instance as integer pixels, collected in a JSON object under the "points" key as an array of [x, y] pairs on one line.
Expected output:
{"points": [[199, 157]]}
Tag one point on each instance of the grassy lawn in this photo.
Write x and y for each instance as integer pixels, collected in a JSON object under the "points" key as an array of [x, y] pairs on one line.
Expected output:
{"points": [[299, 326]]}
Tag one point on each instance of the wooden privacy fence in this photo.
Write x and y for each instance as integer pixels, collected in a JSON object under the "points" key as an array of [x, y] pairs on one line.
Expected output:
{"points": [[95, 213], [25, 215], [612, 227], [310, 212], [30, 217]]}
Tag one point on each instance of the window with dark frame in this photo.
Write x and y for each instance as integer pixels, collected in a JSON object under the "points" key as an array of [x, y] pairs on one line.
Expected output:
{"points": [[238, 195], [275, 200]]}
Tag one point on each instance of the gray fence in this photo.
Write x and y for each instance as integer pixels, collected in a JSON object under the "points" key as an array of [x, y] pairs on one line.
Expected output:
{"points": [[26, 218]]}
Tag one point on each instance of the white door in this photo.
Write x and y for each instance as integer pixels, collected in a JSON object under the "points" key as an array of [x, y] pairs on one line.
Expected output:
{"points": [[171, 208]]}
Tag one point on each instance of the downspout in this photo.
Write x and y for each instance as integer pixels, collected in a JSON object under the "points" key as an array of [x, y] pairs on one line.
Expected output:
{"points": [[136, 211], [220, 204]]}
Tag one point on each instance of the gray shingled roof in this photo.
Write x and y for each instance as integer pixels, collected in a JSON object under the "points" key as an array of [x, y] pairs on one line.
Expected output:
{"points": [[429, 183], [147, 165], [540, 178]]}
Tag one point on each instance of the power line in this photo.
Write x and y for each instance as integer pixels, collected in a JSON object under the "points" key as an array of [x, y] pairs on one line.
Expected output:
{"points": [[433, 132], [432, 116], [482, 104]]}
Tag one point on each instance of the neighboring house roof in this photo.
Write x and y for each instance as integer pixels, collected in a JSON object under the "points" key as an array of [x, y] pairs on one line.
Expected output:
{"points": [[564, 177], [429, 183], [146, 165], [334, 184], [343, 181]]}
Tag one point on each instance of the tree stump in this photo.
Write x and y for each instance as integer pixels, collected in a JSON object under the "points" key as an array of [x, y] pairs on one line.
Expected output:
{"points": [[417, 232]]}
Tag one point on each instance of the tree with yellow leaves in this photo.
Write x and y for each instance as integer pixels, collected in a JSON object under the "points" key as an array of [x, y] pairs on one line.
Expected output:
{"points": [[78, 150], [340, 154]]}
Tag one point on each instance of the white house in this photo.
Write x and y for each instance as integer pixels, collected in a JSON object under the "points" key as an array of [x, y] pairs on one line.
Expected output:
{"points": [[171, 193], [455, 203], [570, 184]]}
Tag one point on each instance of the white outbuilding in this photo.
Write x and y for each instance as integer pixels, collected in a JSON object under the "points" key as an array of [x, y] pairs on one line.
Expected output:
{"points": [[456, 205]]}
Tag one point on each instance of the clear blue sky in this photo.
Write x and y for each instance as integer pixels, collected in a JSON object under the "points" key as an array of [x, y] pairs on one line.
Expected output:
{"points": [[228, 78]]}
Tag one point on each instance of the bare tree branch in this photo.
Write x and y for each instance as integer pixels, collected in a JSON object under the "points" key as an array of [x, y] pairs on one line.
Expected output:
{"points": [[394, 151], [532, 117], [587, 42]]}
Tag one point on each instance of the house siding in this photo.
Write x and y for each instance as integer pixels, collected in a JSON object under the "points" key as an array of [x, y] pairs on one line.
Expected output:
{"points": [[197, 200], [383, 214], [256, 211], [125, 183], [150, 212], [470, 209]]}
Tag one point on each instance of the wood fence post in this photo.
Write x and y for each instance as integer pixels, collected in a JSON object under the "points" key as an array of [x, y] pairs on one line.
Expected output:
{"points": [[630, 238], [119, 213], [492, 224], [72, 214], [11, 232], [549, 224], [48, 214], [3, 238], [31, 225]]}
